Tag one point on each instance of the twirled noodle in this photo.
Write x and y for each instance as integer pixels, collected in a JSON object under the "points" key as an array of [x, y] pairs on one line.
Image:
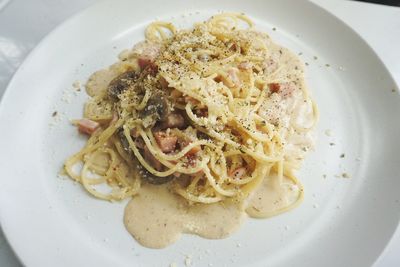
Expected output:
{"points": [[213, 111]]}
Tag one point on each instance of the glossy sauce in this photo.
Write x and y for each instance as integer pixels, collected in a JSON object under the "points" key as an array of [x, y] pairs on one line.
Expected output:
{"points": [[157, 217]]}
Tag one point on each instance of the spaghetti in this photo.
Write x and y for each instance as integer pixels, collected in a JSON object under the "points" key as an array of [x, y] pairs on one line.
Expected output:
{"points": [[212, 111]]}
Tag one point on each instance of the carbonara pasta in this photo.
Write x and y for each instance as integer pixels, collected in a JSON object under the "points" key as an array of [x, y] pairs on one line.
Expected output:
{"points": [[211, 111]]}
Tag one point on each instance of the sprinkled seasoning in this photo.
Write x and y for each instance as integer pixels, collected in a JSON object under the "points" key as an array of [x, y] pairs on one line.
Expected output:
{"points": [[345, 175]]}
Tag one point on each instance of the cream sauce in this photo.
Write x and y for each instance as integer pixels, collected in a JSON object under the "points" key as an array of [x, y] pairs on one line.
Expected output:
{"points": [[156, 217], [99, 81], [273, 197]]}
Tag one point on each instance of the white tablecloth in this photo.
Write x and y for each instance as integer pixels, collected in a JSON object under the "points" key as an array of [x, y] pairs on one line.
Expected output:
{"points": [[24, 23]]}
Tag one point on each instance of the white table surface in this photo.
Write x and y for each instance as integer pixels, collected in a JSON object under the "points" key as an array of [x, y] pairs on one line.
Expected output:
{"points": [[24, 23]]}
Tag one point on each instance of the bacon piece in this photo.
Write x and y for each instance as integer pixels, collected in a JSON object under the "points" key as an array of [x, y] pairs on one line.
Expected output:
{"points": [[164, 83], [166, 142], [274, 87], [147, 52], [184, 143], [237, 173], [191, 159], [144, 62], [284, 89], [87, 126], [175, 94], [194, 150], [173, 120]]}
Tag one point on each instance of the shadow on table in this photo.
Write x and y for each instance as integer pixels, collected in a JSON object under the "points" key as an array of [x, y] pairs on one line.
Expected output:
{"points": [[7, 255], [383, 2]]}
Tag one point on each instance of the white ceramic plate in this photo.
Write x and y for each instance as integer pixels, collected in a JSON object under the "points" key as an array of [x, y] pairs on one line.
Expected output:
{"points": [[50, 221]]}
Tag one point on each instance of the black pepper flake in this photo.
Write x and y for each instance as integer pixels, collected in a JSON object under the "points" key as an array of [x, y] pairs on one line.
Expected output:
{"points": [[54, 114], [274, 29], [331, 144], [342, 155], [307, 64], [327, 65]]}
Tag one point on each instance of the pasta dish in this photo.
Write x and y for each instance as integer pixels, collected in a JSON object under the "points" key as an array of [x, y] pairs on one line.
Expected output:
{"points": [[210, 113]]}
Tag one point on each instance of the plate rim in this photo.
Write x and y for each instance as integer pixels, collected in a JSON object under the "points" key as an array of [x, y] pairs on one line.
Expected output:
{"points": [[66, 23]]}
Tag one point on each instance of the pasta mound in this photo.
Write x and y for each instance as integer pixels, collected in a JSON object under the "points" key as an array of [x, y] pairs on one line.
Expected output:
{"points": [[212, 111]]}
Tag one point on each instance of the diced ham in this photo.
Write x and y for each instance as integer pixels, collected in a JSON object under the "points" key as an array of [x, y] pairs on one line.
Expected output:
{"points": [[285, 90], [151, 159], [184, 143], [166, 142], [147, 49], [87, 126], [194, 150], [237, 173], [144, 62], [191, 159], [163, 82], [274, 87], [201, 112], [173, 120], [175, 94], [147, 52]]}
